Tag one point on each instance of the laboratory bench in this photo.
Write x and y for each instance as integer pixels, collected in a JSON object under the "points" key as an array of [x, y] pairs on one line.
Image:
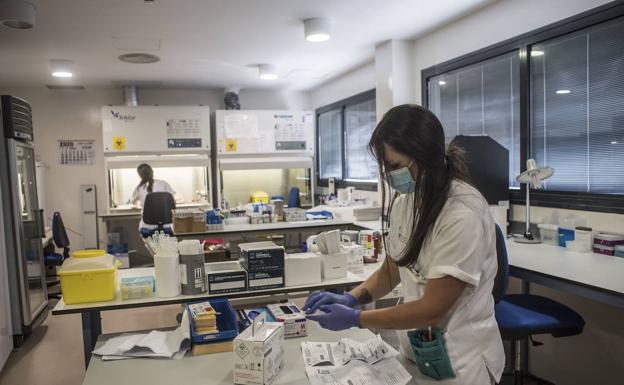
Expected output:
{"points": [[215, 369], [128, 224], [90, 312]]}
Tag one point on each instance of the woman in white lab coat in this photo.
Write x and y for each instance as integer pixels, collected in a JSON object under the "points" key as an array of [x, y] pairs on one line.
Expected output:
{"points": [[148, 185], [441, 248]]}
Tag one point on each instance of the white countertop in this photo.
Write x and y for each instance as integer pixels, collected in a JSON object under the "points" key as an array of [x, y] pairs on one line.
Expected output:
{"points": [[273, 226], [214, 369], [370, 225], [597, 270], [61, 308]]}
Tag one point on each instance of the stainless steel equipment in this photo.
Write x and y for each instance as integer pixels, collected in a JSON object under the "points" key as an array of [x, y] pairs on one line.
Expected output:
{"points": [[23, 220]]}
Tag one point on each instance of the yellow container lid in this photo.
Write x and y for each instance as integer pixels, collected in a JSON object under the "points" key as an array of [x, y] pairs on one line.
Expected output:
{"points": [[88, 253]]}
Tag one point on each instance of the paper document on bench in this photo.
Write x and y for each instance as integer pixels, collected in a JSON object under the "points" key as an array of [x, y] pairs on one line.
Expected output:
{"points": [[388, 371], [155, 344], [345, 350]]}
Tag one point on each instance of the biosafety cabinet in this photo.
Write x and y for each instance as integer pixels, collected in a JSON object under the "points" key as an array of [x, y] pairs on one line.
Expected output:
{"points": [[264, 150], [174, 140]]}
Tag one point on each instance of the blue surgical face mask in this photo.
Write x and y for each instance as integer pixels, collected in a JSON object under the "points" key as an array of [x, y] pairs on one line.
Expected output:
{"points": [[402, 181]]}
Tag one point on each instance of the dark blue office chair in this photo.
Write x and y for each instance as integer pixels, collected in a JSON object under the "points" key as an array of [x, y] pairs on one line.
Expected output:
{"points": [[53, 259], [293, 197], [61, 240], [157, 211], [521, 316]]}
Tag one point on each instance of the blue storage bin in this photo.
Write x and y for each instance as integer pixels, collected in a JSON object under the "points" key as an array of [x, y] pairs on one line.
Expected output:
{"points": [[226, 323], [565, 235]]}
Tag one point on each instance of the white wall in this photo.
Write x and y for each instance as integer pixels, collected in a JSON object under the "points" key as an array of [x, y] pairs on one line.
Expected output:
{"points": [[76, 115], [356, 81], [596, 356]]}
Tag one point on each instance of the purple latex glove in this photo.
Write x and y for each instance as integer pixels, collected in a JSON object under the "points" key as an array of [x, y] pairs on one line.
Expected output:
{"points": [[318, 298], [336, 317]]}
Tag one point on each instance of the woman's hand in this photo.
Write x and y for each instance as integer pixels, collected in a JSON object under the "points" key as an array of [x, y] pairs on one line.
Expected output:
{"points": [[319, 298], [336, 317]]}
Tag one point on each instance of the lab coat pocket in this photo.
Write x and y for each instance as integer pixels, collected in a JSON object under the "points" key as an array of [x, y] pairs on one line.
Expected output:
{"points": [[431, 355]]}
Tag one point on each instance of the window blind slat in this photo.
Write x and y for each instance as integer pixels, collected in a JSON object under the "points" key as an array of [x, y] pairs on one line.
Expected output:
{"points": [[482, 99], [577, 99], [359, 125], [330, 144]]}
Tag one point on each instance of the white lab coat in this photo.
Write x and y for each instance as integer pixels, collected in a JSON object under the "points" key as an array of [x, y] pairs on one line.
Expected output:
{"points": [[462, 244], [140, 193]]}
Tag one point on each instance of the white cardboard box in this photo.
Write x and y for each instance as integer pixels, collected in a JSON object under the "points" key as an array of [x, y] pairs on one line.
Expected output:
{"points": [[355, 263], [259, 352], [334, 266], [302, 269], [291, 316]]}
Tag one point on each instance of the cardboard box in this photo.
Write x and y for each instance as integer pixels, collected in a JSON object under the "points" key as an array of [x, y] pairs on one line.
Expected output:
{"points": [[261, 256], [355, 262], [269, 279], [302, 269], [334, 266], [259, 352], [225, 277], [294, 319]]}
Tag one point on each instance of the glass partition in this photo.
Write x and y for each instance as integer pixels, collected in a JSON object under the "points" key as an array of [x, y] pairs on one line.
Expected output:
{"points": [[239, 185], [189, 182]]}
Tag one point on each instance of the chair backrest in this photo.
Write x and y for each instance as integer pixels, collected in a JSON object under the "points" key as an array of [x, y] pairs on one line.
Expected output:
{"points": [[502, 275], [59, 234], [157, 208], [293, 197]]}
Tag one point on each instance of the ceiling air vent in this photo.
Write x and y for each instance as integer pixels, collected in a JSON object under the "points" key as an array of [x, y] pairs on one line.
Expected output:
{"points": [[64, 87], [139, 58]]}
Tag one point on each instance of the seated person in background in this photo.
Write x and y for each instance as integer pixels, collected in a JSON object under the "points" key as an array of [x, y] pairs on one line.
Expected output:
{"points": [[148, 185]]}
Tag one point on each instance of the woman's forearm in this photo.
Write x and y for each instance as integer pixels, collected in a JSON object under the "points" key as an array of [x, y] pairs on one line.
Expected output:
{"points": [[377, 285], [440, 295], [410, 315]]}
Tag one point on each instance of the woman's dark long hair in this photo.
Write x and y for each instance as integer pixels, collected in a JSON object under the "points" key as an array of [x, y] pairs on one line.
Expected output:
{"points": [[415, 131], [147, 176]]}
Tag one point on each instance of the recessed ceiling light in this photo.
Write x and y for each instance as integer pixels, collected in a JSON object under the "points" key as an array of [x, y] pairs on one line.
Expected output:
{"points": [[563, 92], [17, 14], [62, 74], [442, 82], [267, 72], [537, 53], [62, 68], [614, 142], [317, 29]]}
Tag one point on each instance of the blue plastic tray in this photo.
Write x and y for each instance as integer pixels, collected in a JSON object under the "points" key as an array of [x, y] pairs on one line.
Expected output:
{"points": [[226, 323]]}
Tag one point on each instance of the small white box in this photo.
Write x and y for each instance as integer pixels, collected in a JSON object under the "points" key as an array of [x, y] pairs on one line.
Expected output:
{"points": [[294, 319], [259, 352], [334, 266], [355, 264], [225, 277], [302, 269]]}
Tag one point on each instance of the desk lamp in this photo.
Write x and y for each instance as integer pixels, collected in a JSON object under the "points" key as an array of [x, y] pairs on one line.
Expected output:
{"points": [[532, 176]]}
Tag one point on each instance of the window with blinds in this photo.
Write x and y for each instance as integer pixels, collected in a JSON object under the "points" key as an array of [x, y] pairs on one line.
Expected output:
{"points": [[482, 99], [577, 109], [344, 130], [330, 144], [359, 125]]}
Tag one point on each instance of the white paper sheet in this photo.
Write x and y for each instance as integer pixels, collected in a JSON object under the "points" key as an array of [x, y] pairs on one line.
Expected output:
{"points": [[388, 371], [345, 350], [155, 344]]}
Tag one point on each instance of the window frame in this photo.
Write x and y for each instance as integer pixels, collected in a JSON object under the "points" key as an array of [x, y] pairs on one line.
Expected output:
{"points": [[342, 106], [609, 203]]}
